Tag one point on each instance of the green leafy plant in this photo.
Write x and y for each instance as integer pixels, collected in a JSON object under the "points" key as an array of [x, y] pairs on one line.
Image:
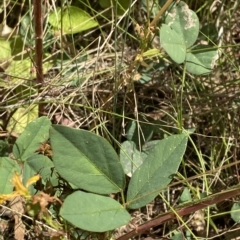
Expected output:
{"points": [[88, 162], [178, 35], [80, 63]]}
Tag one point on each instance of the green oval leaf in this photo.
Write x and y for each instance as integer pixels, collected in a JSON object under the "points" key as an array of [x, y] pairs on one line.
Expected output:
{"points": [[86, 160], [74, 20], [235, 212], [185, 196], [31, 139], [202, 61], [156, 171], [173, 44], [184, 22], [93, 213]]}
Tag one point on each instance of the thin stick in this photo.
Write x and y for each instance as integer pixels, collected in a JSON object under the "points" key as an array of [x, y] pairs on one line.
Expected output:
{"points": [[203, 203], [37, 4], [162, 10]]}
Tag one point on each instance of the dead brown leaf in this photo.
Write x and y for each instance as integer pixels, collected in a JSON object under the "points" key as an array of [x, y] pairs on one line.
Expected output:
{"points": [[18, 209]]}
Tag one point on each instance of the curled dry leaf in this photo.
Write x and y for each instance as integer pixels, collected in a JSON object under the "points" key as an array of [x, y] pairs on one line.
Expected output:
{"points": [[43, 200]]}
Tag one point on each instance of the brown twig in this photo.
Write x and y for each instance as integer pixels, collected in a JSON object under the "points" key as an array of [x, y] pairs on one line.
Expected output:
{"points": [[160, 13], [38, 24], [190, 208]]}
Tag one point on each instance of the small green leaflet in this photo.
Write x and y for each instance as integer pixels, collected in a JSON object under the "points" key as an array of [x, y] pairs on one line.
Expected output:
{"points": [[74, 20]]}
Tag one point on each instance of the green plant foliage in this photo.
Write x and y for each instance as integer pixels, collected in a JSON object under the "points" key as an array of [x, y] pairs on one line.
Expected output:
{"points": [[38, 164], [105, 69], [131, 158], [21, 64], [42, 165], [72, 20], [148, 146], [86, 160], [155, 172], [173, 44], [209, 33], [184, 22], [235, 212], [33, 209], [148, 73], [31, 139], [201, 62], [180, 33], [93, 213], [21, 117], [27, 173], [7, 169], [22, 68], [178, 236], [146, 132], [185, 196]]}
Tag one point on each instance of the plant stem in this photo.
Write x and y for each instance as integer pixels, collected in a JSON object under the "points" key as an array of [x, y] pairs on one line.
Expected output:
{"points": [[38, 25], [162, 10]]}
